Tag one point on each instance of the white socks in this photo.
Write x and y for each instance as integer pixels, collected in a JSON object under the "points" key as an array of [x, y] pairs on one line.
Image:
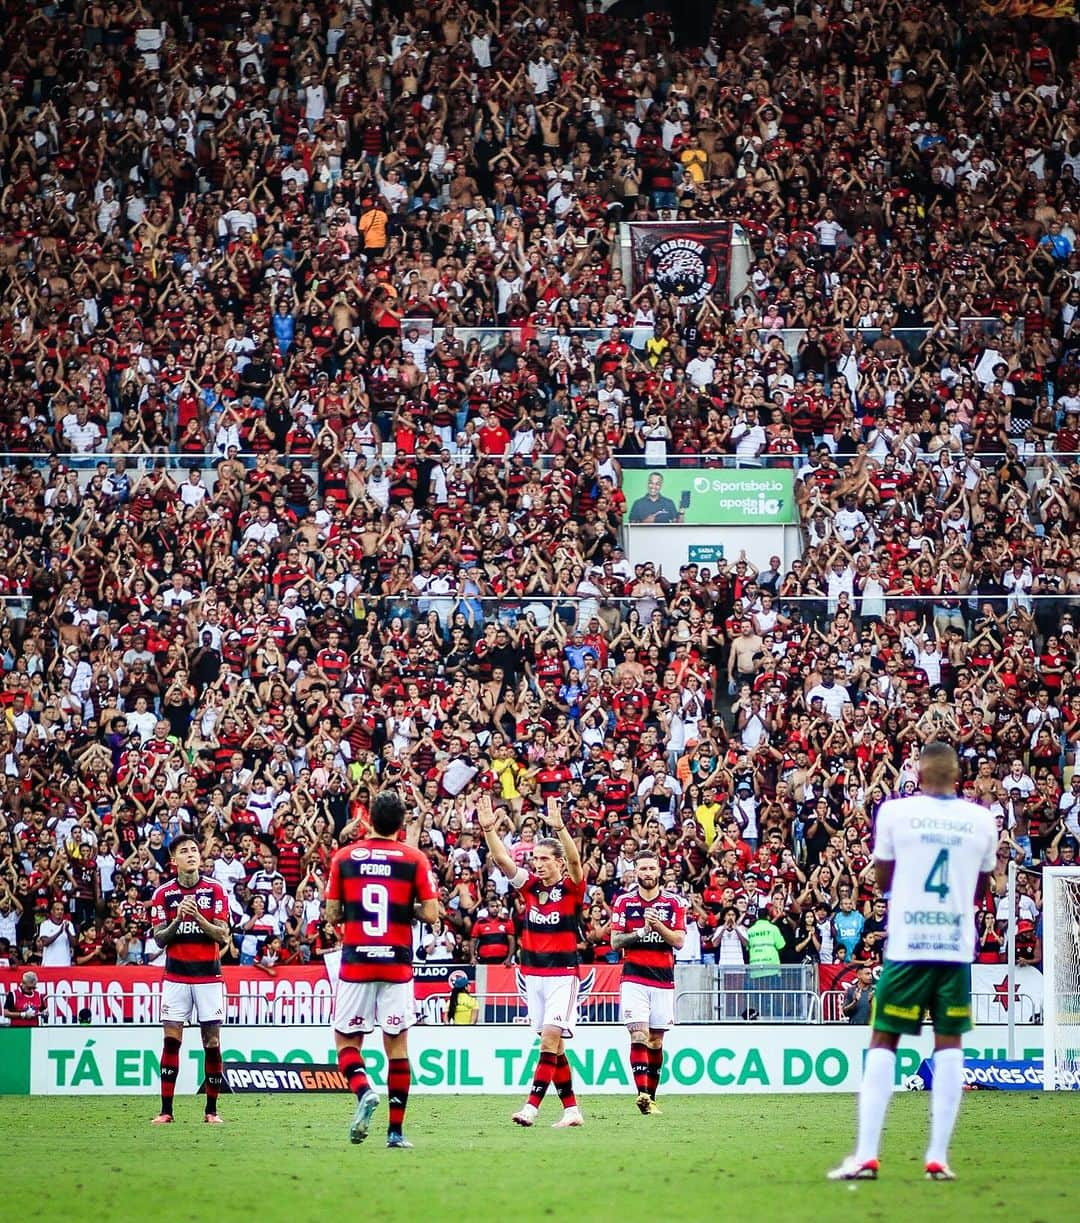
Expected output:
{"points": [[874, 1095], [945, 1096]]}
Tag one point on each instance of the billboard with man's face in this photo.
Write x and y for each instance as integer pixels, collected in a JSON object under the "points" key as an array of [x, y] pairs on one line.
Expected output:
{"points": [[710, 496]]}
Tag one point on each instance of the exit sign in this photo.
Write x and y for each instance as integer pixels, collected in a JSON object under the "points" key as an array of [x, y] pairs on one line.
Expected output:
{"points": [[705, 554]]}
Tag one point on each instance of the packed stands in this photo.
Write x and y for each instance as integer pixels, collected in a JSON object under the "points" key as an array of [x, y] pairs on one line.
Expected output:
{"points": [[320, 375]]}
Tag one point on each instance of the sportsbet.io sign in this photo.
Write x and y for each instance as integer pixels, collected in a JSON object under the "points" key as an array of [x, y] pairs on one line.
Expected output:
{"points": [[709, 496], [453, 1060]]}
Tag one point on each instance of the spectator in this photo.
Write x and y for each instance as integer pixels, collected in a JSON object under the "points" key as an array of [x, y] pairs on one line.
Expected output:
{"points": [[859, 996]]}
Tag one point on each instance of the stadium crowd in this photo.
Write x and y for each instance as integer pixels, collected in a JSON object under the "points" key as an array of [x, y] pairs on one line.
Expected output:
{"points": [[370, 554]]}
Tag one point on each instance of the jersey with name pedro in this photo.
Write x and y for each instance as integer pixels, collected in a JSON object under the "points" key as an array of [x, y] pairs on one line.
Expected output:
{"points": [[649, 960], [193, 956], [378, 883], [939, 846]]}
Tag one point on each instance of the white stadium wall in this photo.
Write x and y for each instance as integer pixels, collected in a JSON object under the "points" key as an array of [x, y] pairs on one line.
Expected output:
{"points": [[675, 546]]}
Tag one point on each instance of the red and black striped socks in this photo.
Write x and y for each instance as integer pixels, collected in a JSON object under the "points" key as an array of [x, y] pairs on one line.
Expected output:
{"points": [[545, 1072], [170, 1068], [351, 1064], [213, 1077], [398, 1082], [564, 1082], [640, 1064], [656, 1062]]}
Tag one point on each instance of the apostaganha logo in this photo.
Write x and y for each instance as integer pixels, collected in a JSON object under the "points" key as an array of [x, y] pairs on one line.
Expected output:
{"points": [[684, 267]]}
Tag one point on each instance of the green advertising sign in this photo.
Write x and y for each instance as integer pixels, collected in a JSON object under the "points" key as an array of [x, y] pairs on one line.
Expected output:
{"points": [[705, 554], [709, 496], [124, 1059], [15, 1061]]}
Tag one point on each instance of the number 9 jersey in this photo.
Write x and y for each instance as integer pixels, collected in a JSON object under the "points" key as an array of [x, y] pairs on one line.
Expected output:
{"points": [[378, 882], [939, 846]]}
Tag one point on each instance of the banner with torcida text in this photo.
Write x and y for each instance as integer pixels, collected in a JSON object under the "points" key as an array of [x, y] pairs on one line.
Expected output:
{"points": [[296, 994], [688, 260], [455, 1060]]}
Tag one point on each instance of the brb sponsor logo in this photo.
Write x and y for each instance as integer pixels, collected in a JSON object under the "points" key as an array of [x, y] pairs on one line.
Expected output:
{"points": [[539, 918], [684, 267]]}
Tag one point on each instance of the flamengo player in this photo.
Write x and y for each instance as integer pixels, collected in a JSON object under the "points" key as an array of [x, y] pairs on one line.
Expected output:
{"points": [[552, 894], [933, 855], [649, 925], [377, 886], [190, 919]]}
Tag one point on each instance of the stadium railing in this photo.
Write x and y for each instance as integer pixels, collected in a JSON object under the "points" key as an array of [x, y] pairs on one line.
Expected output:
{"points": [[510, 1008], [968, 331], [742, 1005], [986, 1008], [691, 1006], [138, 462]]}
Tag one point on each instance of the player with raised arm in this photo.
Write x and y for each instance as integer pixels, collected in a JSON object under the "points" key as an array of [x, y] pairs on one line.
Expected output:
{"points": [[648, 925], [189, 916], [552, 895], [933, 855], [376, 887]]}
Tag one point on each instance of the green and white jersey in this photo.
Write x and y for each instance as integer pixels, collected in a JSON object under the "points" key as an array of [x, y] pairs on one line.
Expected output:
{"points": [[939, 847]]}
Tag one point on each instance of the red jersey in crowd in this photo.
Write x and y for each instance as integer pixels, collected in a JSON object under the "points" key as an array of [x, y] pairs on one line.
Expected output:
{"points": [[378, 882], [492, 937]]}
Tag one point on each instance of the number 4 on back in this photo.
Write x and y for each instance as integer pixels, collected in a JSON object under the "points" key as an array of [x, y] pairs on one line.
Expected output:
{"points": [[937, 882]]}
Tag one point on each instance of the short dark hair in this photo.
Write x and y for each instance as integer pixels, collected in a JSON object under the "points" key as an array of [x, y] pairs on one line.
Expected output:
{"points": [[643, 854], [182, 840], [387, 813]]}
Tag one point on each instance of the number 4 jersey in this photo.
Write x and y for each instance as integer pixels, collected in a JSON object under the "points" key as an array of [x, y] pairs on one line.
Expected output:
{"points": [[938, 846], [378, 882]]}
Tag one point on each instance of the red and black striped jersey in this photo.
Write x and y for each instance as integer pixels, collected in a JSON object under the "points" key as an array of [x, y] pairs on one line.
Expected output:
{"points": [[492, 940], [553, 782], [648, 961], [614, 794], [550, 923], [378, 882], [192, 956]]}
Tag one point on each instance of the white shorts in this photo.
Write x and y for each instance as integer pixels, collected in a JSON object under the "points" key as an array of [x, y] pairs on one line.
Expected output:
{"points": [[363, 1006], [552, 1003], [646, 1006], [205, 1001]]}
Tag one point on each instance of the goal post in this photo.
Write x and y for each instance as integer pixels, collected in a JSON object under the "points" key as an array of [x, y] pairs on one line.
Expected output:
{"points": [[1061, 978]]}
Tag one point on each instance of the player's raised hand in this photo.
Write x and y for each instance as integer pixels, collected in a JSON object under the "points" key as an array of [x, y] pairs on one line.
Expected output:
{"points": [[652, 918], [553, 816], [485, 813]]}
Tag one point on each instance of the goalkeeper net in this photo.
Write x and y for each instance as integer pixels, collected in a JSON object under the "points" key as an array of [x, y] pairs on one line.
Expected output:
{"points": [[1061, 986]]}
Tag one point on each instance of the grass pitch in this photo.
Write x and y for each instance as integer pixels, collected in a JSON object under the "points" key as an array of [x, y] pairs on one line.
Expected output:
{"points": [[764, 1157]]}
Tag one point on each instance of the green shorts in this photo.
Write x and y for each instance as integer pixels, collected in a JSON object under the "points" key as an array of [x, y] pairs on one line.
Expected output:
{"points": [[905, 992]]}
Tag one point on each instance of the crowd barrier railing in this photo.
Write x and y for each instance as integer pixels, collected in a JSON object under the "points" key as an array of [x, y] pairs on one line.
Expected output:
{"points": [[986, 1008]]}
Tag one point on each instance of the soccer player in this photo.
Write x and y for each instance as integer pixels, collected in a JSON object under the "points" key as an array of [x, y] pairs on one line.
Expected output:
{"points": [[377, 886], [552, 895], [933, 854], [648, 925], [190, 919]]}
